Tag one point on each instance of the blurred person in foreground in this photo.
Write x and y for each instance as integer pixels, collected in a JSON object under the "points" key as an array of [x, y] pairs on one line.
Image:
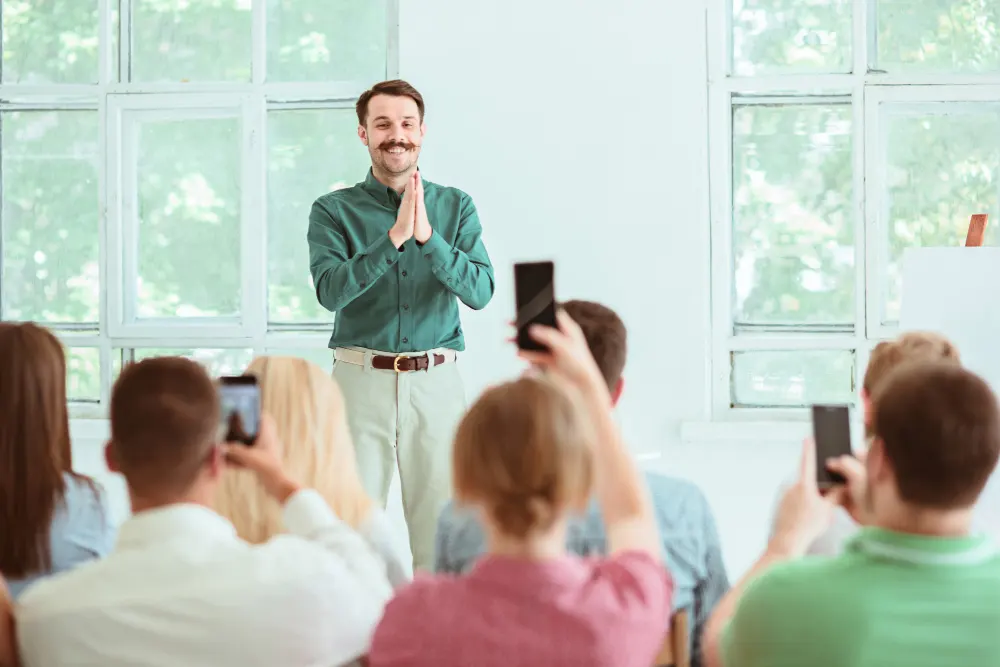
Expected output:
{"points": [[916, 587], [528, 454], [181, 588], [309, 416], [687, 528]]}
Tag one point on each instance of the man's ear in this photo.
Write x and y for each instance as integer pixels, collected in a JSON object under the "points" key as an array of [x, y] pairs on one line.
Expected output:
{"points": [[363, 134], [866, 405], [215, 465], [109, 457], [616, 393]]}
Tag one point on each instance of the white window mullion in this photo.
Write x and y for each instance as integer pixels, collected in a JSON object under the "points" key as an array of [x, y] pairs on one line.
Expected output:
{"points": [[124, 41], [253, 231], [875, 232], [114, 243], [721, 213]]}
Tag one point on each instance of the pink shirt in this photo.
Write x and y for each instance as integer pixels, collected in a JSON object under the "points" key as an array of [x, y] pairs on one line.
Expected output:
{"points": [[510, 612]]}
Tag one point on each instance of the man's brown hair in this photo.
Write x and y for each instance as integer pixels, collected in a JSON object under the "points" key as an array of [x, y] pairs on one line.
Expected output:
{"points": [[940, 427], [35, 450], [606, 337], [523, 452], [164, 424], [394, 88], [910, 346]]}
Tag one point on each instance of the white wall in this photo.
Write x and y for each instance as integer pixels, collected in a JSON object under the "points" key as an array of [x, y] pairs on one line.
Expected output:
{"points": [[580, 129]]}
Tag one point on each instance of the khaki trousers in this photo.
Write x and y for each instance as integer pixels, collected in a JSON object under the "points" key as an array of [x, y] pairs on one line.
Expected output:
{"points": [[405, 420]]}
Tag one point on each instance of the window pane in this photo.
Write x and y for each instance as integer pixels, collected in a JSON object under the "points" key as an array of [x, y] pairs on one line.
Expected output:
{"points": [[49, 218], [793, 234], [785, 36], [189, 218], [49, 42], [326, 40], [790, 378], [321, 357], [943, 165], [217, 361], [83, 374], [939, 35], [197, 40], [310, 152]]}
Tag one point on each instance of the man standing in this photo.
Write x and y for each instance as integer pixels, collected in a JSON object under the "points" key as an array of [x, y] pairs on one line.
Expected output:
{"points": [[392, 256]]}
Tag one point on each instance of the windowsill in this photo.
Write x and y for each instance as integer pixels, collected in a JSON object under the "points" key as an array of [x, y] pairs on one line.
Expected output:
{"points": [[748, 432]]}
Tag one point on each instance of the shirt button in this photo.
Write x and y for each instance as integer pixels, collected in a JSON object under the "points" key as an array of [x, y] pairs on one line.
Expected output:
{"points": [[406, 340], [404, 274], [363, 283], [388, 261], [406, 306]]}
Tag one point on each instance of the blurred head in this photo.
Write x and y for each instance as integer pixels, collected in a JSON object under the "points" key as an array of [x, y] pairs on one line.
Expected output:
{"points": [[311, 421], [912, 346], [936, 430], [522, 456], [34, 444], [607, 339], [391, 125], [164, 432]]}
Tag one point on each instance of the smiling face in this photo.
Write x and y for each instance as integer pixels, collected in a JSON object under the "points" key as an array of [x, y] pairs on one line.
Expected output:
{"points": [[393, 133]]}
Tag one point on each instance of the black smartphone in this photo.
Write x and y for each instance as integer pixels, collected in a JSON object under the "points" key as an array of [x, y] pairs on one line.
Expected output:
{"points": [[832, 436], [239, 398], [535, 294]]}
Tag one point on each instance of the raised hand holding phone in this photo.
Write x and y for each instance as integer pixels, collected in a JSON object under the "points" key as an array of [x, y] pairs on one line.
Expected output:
{"points": [[264, 459]]}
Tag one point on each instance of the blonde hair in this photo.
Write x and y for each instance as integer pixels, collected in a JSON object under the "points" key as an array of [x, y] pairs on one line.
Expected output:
{"points": [[524, 454], [912, 346], [311, 421]]}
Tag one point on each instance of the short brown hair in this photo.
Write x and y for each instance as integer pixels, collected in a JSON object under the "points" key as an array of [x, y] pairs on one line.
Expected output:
{"points": [[606, 337], [164, 424], [910, 346], [394, 88], [524, 453], [940, 427]]}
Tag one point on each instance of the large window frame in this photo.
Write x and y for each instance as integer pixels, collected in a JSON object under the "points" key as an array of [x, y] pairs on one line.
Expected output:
{"points": [[869, 92], [118, 104]]}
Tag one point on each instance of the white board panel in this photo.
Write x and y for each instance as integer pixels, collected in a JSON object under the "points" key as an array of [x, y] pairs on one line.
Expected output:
{"points": [[956, 292]]}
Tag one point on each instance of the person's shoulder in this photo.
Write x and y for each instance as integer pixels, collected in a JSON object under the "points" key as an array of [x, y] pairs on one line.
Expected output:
{"points": [[797, 586], [67, 591], [331, 200], [417, 603], [447, 193]]}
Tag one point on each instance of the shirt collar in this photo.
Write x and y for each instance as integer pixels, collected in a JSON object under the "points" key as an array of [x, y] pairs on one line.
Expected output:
{"points": [[384, 194], [165, 524], [923, 549]]}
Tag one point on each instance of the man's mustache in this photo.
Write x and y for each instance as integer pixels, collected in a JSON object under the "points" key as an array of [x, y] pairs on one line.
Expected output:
{"points": [[395, 144]]}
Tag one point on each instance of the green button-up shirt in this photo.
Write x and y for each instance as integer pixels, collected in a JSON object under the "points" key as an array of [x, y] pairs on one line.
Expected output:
{"points": [[397, 300]]}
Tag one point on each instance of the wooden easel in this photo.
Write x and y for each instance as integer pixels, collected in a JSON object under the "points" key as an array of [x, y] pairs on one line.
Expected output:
{"points": [[977, 230]]}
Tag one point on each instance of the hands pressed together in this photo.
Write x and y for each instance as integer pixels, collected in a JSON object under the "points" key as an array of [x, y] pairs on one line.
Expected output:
{"points": [[411, 221]]}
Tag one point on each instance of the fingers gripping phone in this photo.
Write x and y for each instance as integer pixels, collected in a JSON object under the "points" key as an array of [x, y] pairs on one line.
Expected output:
{"points": [[832, 437], [239, 399], [534, 289]]}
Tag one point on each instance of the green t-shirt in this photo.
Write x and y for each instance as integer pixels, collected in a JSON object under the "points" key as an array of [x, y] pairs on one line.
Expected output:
{"points": [[890, 600]]}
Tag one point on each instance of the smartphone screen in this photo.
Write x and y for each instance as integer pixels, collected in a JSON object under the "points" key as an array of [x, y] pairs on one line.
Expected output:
{"points": [[832, 435], [240, 408], [534, 289]]}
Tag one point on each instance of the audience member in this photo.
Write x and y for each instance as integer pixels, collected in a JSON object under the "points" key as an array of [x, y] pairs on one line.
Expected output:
{"points": [[181, 588], [914, 588], [526, 455], [311, 420], [912, 346], [685, 520], [52, 518]]}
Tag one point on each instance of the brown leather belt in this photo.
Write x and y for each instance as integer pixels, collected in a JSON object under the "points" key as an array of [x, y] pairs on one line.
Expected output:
{"points": [[405, 364]]}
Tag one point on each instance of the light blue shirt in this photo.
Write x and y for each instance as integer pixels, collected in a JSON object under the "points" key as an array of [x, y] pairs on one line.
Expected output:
{"points": [[691, 546], [81, 530]]}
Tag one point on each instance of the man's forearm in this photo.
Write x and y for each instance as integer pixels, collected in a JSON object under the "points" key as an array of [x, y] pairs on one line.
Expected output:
{"points": [[711, 650]]}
